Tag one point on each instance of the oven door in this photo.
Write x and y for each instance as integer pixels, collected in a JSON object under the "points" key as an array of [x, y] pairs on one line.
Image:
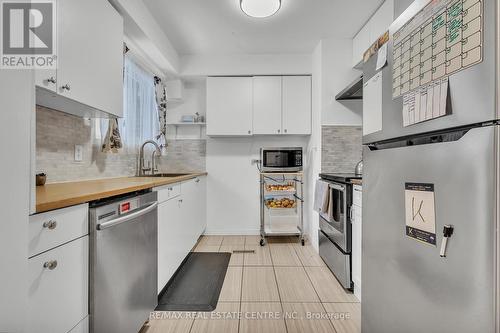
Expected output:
{"points": [[335, 224]]}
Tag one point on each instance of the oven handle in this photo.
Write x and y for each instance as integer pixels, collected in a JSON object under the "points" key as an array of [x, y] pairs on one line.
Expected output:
{"points": [[337, 187], [128, 217]]}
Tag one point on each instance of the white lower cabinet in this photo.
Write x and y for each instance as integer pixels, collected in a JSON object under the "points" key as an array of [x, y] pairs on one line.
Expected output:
{"points": [[356, 240], [195, 191], [181, 221], [170, 252], [58, 288]]}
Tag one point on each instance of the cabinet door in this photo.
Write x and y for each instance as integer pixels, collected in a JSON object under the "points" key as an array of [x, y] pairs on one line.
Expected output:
{"points": [[192, 210], [196, 201], [297, 105], [90, 64], [201, 198], [229, 106], [170, 252], [58, 295], [267, 105], [46, 78]]}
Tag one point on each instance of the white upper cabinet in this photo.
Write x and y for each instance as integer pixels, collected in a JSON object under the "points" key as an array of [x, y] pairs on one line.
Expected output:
{"points": [[90, 59], [260, 105], [267, 105], [297, 105], [229, 106], [378, 24]]}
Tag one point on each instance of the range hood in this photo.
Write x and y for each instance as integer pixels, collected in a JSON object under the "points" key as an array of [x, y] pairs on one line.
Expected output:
{"points": [[354, 91]]}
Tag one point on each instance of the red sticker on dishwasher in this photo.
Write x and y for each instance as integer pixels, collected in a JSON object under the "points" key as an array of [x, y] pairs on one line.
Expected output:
{"points": [[124, 207]]}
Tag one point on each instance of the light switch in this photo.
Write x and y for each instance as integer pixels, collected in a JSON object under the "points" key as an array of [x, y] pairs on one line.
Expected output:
{"points": [[78, 153]]}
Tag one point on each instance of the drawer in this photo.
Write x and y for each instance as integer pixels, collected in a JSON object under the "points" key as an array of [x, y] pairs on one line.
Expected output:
{"points": [[51, 229], [357, 195], [168, 192], [58, 296]]}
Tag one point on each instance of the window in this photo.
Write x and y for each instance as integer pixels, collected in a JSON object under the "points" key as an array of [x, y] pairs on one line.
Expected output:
{"points": [[140, 112]]}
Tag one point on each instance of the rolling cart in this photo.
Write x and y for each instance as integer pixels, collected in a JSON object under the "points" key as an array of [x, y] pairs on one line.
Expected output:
{"points": [[281, 205]]}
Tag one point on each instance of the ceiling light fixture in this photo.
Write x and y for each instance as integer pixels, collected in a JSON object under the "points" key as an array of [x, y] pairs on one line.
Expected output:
{"points": [[260, 8]]}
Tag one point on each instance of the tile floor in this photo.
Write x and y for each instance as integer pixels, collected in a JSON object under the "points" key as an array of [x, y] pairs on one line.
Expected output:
{"points": [[282, 287]]}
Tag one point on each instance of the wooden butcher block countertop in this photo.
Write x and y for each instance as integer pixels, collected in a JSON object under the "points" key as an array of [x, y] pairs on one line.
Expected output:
{"points": [[357, 182], [60, 195]]}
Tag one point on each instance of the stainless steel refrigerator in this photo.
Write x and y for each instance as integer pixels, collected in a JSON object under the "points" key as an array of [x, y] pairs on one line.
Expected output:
{"points": [[407, 285]]}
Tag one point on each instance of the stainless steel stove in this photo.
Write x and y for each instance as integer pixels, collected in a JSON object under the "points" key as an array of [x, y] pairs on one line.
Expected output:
{"points": [[335, 236]]}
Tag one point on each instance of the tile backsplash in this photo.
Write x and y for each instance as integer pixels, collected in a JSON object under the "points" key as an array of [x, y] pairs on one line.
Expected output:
{"points": [[57, 133], [341, 148]]}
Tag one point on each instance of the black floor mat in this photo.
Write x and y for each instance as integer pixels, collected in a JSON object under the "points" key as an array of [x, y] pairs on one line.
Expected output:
{"points": [[197, 284]]}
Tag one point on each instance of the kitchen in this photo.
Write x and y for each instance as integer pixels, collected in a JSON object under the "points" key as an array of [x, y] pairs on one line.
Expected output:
{"points": [[249, 166]]}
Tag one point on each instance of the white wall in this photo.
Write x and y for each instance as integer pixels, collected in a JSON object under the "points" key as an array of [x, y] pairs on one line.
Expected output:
{"points": [[18, 104], [141, 29], [194, 100], [314, 144], [245, 64], [233, 182], [337, 71]]}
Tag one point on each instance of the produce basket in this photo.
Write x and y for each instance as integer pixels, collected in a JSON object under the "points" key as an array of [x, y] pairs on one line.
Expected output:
{"points": [[281, 205]]}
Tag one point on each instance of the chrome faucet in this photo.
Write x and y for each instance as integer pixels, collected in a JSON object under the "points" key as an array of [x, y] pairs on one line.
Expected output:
{"points": [[156, 152]]}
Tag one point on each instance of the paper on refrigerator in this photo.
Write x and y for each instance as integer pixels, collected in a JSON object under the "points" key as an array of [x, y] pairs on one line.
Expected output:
{"points": [[372, 104], [381, 57], [420, 212], [426, 103]]}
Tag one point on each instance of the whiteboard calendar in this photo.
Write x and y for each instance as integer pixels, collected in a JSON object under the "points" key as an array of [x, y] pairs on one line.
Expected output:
{"points": [[443, 38]]}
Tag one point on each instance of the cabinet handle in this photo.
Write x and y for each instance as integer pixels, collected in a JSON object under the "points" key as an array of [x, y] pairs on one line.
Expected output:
{"points": [[51, 225], [52, 80], [279, 131], [197, 180], [181, 201], [50, 264], [286, 131], [66, 87], [170, 189], [249, 132]]}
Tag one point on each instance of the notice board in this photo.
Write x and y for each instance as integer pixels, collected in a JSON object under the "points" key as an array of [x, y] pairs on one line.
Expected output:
{"points": [[443, 38]]}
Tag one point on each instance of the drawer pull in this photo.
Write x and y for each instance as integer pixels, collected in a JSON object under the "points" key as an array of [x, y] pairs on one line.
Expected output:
{"points": [[50, 224], [50, 264], [170, 188]]}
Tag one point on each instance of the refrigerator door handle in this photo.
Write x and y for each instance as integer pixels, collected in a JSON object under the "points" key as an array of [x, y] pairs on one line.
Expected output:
{"points": [[447, 232]]}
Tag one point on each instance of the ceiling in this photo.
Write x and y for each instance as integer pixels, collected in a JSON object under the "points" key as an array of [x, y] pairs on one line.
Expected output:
{"points": [[220, 27]]}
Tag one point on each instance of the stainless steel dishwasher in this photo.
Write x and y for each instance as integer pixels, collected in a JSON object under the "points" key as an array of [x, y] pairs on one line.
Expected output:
{"points": [[123, 262]]}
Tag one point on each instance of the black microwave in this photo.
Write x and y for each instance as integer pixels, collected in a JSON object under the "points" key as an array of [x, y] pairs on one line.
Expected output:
{"points": [[281, 159]]}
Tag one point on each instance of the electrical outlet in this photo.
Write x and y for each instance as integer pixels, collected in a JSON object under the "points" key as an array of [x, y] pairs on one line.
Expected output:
{"points": [[78, 153]]}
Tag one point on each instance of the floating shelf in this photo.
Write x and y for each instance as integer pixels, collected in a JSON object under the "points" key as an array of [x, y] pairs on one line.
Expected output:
{"points": [[186, 124], [177, 125]]}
